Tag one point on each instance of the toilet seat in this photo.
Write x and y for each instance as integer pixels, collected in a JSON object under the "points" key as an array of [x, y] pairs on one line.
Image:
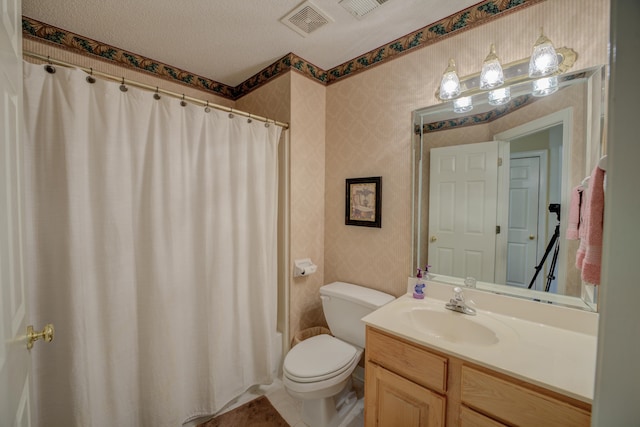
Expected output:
{"points": [[319, 358]]}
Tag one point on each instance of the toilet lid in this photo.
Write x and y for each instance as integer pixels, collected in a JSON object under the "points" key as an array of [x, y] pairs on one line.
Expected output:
{"points": [[318, 358]]}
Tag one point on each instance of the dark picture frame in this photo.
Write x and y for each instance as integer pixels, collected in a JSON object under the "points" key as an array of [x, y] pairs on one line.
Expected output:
{"points": [[363, 202]]}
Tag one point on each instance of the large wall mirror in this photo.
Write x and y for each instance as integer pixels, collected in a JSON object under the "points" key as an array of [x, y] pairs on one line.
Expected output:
{"points": [[492, 187]]}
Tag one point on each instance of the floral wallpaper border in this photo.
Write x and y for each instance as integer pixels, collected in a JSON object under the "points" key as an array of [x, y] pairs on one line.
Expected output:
{"points": [[43, 32], [478, 14], [473, 16], [479, 118]]}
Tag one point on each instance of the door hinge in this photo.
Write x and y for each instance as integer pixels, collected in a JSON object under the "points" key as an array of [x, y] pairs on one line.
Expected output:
{"points": [[497, 229], [499, 161]]}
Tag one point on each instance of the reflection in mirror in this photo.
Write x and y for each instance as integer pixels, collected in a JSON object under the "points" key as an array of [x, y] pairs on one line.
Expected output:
{"points": [[492, 189]]}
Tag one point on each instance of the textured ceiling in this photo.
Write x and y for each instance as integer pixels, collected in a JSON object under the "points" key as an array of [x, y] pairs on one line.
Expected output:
{"points": [[230, 40]]}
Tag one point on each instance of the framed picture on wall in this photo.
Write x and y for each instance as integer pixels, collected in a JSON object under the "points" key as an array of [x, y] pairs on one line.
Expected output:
{"points": [[363, 202]]}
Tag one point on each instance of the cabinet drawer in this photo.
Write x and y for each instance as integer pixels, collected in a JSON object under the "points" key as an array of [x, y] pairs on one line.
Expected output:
{"points": [[514, 404], [471, 418], [408, 360]]}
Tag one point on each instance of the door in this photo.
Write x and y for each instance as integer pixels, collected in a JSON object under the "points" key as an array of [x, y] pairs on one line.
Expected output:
{"points": [[394, 401], [523, 232], [463, 186], [14, 356]]}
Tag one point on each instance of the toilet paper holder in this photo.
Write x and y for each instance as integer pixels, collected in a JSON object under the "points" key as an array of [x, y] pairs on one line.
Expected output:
{"points": [[303, 267]]}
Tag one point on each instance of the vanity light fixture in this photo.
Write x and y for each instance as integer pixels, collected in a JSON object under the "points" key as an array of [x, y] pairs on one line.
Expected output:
{"points": [[545, 86], [491, 75], [500, 96], [544, 60], [462, 105], [541, 69], [450, 83]]}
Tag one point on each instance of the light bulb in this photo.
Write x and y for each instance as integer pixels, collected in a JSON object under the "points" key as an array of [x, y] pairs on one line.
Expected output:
{"points": [[500, 96], [491, 75], [450, 83], [545, 86], [544, 60], [462, 105]]}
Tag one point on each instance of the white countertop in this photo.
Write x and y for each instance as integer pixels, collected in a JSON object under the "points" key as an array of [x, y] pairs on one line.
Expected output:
{"points": [[550, 346]]}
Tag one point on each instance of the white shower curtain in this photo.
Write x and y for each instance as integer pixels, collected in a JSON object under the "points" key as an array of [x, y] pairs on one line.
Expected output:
{"points": [[152, 248]]}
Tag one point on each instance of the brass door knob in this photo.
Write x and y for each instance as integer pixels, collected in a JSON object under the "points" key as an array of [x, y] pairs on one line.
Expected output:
{"points": [[433, 239], [46, 334], [531, 237]]}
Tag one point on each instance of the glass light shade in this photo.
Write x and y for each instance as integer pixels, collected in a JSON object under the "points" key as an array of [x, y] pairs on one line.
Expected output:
{"points": [[450, 83], [545, 86], [491, 75], [462, 105], [500, 96], [544, 60]]}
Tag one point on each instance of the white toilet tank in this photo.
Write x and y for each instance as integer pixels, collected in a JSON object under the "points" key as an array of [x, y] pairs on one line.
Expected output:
{"points": [[344, 304]]}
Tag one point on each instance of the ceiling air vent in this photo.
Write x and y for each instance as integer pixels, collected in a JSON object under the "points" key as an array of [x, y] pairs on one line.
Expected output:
{"points": [[306, 18], [359, 8]]}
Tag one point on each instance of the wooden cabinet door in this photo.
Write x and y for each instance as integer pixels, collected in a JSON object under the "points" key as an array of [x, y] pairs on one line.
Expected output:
{"points": [[394, 401]]}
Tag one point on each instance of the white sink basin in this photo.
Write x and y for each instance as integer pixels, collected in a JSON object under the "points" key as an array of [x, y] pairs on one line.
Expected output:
{"points": [[546, 344], [438, 322]]}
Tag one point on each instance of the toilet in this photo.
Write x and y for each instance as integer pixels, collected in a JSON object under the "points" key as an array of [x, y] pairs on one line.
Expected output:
{"points": [[318, 370]]}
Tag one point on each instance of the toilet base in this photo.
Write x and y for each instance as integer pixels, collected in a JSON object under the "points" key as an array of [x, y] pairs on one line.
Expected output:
{"points": [[330, 411]]}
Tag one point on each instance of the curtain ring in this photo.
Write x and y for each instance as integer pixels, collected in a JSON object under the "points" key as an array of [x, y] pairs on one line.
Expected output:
{"points": [[266, 123], [123, 87], [206, 108], [183, 102], [231, 115], [156, 95], [249, 119], [49, 68], [90, 79]]}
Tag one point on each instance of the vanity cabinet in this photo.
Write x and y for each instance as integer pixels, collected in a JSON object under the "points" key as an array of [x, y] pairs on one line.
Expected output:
{"points": [[407, 384]]}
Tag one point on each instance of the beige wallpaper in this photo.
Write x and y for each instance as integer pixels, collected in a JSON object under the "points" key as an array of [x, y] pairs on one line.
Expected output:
{"points": [[274, 101], [300, 102], [369, 128], [308, 104]]}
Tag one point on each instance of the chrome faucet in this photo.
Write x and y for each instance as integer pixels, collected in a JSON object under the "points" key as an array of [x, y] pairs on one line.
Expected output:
{"points": [[457, 303]]}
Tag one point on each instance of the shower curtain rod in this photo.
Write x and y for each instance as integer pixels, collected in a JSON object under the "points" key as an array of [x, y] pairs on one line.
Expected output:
{"points": [[154, 89]]}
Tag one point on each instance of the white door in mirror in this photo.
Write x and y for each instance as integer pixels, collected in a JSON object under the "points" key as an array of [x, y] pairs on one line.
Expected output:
{"points": [[524, 188], [463, 186]]}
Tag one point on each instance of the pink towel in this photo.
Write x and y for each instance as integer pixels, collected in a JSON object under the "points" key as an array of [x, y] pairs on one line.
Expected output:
{"points": [[575, 213], [589, 256]]}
